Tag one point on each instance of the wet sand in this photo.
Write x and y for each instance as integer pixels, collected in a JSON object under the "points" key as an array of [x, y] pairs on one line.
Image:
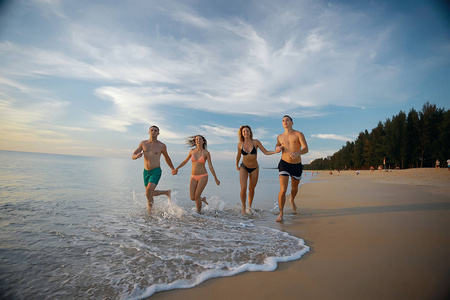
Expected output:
{"points": [[380, 235]]}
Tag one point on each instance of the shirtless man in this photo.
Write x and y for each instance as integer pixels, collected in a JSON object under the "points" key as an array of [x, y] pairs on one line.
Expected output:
{"points": [[152, 150], [293, 145]]}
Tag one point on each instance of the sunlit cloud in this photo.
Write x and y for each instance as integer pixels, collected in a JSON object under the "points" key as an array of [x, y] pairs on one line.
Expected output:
{"points": [[312, 68], [115, 69], [331, 136]]}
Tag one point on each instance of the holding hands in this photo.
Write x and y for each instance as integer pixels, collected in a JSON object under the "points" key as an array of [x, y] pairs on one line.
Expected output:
{"points": [[294, 155]]}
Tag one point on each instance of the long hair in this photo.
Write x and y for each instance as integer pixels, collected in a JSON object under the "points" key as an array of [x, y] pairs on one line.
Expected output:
{"points": [[190, 141], [241, 137]]}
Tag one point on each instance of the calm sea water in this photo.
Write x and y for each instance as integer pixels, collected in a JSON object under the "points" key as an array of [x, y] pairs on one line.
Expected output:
{"points": [[78, 227]]}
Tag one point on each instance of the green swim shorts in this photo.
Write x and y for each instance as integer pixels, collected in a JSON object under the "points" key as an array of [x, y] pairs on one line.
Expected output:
{"points": [[152, 176]]}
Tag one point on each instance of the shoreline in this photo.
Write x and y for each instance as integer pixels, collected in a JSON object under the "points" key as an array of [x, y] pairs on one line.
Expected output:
{"points": [[380, 235]]}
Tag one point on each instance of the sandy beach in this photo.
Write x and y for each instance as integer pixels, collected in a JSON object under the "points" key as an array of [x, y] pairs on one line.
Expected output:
{"points": [[380, 235]]}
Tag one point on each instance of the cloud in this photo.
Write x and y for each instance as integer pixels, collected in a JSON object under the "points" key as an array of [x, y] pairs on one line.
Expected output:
{"points": [[321, 60], [220, 130], [331, 136], [18, 124], [135, 61]]}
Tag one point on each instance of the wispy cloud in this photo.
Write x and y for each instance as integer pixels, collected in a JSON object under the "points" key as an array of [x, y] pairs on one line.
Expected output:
{"points": [[331, 136], [245, 70], [116, 67]]}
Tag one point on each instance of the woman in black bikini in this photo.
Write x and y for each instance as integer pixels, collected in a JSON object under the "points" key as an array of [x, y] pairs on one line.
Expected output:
{"points": [[249, 169]]}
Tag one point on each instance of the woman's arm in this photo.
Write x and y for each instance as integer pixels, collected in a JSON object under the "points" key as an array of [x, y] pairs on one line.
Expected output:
{"points": [[183, 163], [258, 144], [211, 168], [238, 156]]}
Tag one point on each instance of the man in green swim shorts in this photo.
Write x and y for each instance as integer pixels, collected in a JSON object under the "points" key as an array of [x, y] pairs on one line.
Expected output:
{"points": [[152, 149]]}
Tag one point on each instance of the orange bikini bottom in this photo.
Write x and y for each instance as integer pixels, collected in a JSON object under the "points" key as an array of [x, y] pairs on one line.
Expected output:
{"points": [[197, 177]]}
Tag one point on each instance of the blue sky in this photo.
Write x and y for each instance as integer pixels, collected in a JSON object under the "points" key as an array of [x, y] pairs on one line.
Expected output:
{"points": [[89, 77]]}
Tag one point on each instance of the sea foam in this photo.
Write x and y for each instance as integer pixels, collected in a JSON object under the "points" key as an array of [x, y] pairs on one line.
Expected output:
{"points": [[229, 246]]}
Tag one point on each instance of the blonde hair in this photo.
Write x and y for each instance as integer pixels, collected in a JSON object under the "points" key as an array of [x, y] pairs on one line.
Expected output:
{"points": [[191, 141], [241, 137]]}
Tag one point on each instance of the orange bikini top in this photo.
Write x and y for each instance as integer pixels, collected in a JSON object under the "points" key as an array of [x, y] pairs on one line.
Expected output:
{"points": [[200, 160]]}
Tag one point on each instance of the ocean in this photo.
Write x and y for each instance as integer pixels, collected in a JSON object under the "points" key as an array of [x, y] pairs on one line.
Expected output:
{"points": [[78, 227]]}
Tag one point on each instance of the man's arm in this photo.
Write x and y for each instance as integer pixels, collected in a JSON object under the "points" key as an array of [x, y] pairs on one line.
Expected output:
{"points": [[278, 142], [138, 152], [167, 158], [304, 146], [304, 149]]}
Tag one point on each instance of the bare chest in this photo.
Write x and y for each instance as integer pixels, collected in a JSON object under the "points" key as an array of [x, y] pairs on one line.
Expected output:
{"points": [[290, 141], [151, 150]]}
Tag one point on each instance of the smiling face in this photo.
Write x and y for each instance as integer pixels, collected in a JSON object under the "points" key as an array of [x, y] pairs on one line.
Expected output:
{"points": [[246, 132], [199, 142]]}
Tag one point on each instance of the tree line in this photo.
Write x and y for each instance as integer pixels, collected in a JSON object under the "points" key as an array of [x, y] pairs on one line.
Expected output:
{"points": [[412, 140]]}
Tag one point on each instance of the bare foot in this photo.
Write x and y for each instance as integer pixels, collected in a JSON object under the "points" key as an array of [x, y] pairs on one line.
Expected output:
{"points": [[169, 195], [280, 218], [149, 205], [249, 211], [204, 200], [243, 211], [294, 207]]}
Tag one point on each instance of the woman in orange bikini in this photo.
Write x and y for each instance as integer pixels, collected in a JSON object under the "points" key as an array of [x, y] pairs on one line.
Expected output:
{"points": [[199, 178], [249, 169]]}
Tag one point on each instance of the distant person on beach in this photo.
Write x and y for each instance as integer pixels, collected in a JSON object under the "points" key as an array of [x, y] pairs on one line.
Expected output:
{"points": [[199, 176], [448, 164], [438, 165], [293, 145], [152, 149], [249, 168]]}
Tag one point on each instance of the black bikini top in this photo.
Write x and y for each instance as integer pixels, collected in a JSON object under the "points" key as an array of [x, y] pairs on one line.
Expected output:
{"points": [[251, 152]]}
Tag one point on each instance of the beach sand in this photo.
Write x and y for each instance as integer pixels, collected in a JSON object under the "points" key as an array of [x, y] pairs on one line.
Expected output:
{"points": [[380, 235]]}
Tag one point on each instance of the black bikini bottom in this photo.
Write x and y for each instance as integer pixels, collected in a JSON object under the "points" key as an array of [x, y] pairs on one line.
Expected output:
{"points": [[249, 170]]}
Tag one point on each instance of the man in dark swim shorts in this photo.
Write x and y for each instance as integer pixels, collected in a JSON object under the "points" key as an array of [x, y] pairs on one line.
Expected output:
{"points": [[293, 170], [293, 145]]}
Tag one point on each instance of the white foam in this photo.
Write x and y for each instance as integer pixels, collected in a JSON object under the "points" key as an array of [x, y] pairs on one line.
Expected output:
{"points": [[215, 204], [270, 264]]}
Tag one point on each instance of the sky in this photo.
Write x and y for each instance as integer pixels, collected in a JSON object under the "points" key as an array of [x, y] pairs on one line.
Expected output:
{"points": [[89, 77]]}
